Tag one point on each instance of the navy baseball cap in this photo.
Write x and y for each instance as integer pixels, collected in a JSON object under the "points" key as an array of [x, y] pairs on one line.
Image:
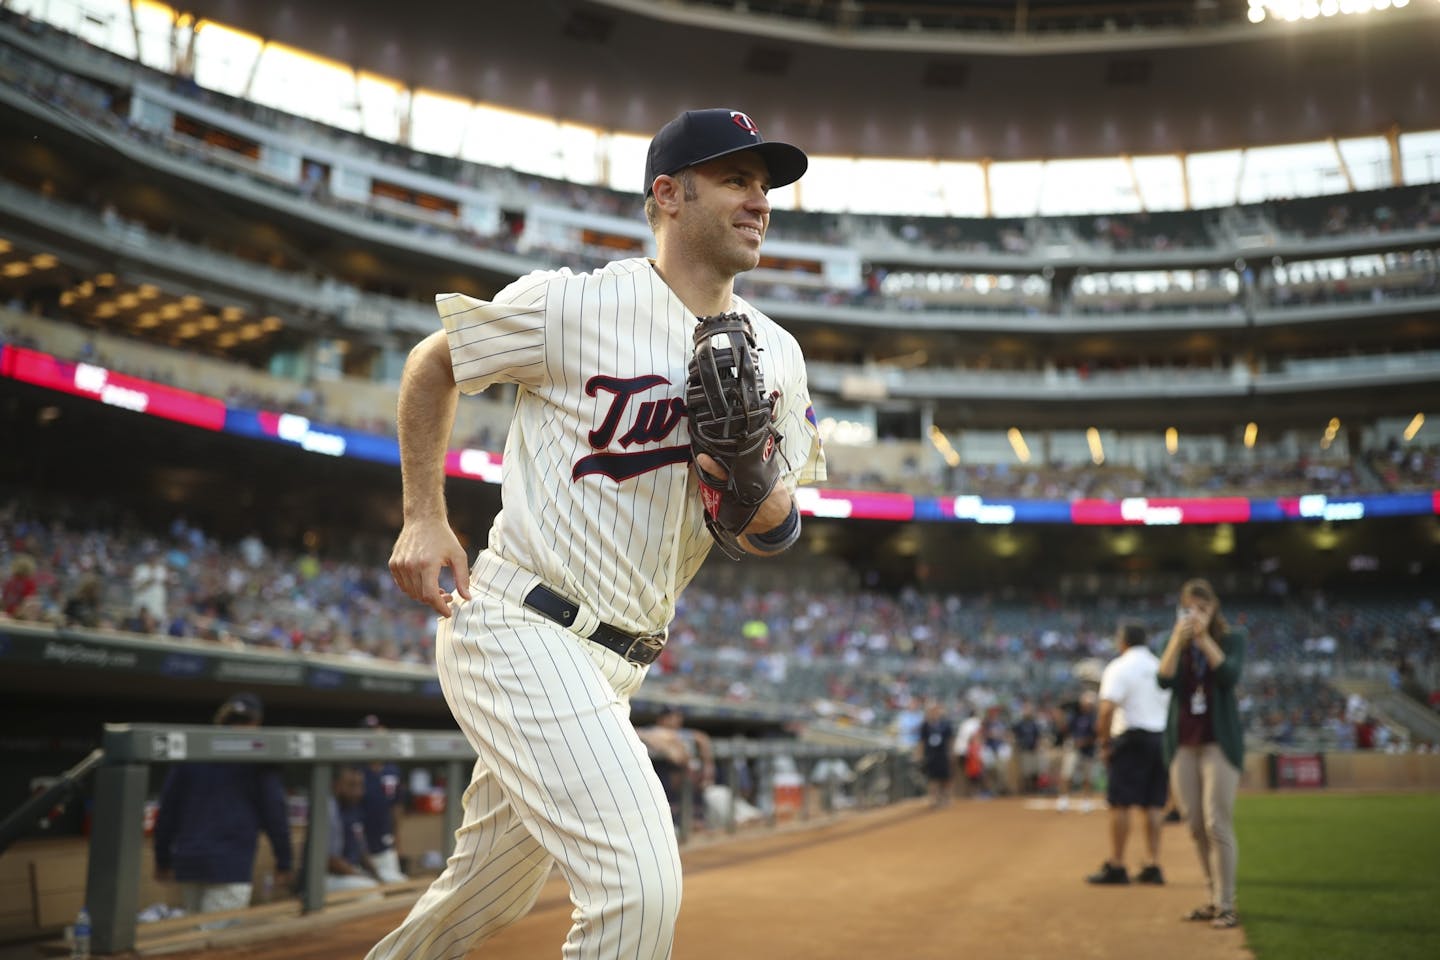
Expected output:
{"points": [[700, 135], [241, 706]]}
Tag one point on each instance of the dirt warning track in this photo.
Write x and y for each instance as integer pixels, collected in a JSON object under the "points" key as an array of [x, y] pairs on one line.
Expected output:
{"points": [[976, 879]]}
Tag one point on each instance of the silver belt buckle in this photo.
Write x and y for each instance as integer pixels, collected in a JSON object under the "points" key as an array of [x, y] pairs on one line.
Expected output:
{"points": [[651, 641]]}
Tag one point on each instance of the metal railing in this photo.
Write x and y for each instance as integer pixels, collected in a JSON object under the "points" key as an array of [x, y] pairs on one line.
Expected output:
{"points": [[111, 891], [873, 777]]}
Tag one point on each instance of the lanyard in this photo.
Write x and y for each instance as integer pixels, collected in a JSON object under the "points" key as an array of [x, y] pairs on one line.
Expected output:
{"points": [[1198, 663]]}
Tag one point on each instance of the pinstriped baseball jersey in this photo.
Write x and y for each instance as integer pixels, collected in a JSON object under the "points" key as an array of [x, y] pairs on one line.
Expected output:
{"points": [[599, 498]]}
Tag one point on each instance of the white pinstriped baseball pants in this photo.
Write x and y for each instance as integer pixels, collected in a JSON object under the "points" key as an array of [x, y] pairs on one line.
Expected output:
{"points": [[561, 779]]}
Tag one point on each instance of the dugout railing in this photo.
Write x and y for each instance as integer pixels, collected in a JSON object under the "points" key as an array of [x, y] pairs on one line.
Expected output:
{"points": [[825, 777]]}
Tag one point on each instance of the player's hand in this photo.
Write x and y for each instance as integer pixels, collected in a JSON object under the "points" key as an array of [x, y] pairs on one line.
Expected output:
{"points": [[772, 512], [708, 464], [422, 550]]}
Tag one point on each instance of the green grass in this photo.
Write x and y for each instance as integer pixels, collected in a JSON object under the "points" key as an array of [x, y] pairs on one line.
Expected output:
{"points": [[1340, 876]]}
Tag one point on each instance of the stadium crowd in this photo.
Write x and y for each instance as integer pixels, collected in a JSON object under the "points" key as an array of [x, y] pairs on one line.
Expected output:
{"points": [[1392, 467], [856, 656]]}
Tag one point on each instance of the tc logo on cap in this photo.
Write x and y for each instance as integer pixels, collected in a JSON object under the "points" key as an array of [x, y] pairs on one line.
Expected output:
{"points": [[744, 122]]}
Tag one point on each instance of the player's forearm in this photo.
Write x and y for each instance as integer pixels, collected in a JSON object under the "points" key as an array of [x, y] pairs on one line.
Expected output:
{"points": [[779, 535], [425, 416]]}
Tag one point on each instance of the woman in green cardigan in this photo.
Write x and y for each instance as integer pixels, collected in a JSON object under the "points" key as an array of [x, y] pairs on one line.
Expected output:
{"points": [[1204, 743]]}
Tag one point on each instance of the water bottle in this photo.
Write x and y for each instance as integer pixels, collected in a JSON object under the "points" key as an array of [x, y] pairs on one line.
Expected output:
{"points": [[80, 946]]}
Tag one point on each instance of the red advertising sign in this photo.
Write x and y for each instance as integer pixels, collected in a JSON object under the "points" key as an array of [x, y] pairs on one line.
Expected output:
{"points": [[1161, 511], [1304, 771], [113, 389], [855, 504]]}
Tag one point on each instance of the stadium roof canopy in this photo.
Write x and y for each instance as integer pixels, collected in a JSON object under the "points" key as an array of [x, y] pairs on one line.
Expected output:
{"points": [[999, 79]]}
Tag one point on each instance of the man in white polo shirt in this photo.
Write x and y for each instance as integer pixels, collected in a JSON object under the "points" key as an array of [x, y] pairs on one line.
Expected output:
{"points": [[1129, 731]]}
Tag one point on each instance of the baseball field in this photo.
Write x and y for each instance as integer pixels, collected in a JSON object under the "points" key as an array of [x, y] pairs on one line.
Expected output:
{"points": [[1338, 876]]}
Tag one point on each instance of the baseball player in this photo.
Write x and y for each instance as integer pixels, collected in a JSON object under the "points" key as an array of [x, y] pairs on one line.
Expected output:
{"points": [[540, 648]]}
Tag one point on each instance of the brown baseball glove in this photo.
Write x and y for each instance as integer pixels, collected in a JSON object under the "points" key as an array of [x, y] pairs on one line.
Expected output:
{"points": [[732, 420]]}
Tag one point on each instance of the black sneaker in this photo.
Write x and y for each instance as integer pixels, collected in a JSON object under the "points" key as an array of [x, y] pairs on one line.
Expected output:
{"points": [[1109, 874], [1150, 874]]}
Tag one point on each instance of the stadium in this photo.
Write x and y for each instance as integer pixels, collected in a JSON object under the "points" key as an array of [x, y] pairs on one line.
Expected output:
{"points": [[1094, 299]]}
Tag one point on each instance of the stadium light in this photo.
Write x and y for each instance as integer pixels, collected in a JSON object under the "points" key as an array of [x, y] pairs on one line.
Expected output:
{"points": [[1017, 443], [942, 444], [1097, 449], [1294, 10], [1416, 423], [1332, 429], [1252, 430], [1172, 440]]}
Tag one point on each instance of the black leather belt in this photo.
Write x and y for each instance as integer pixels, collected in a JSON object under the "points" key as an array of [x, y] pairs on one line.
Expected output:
{"points": [[641, 650]]}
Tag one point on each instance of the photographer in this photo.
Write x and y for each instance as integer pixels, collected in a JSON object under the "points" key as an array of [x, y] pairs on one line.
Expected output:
{"points": [[1204, 742]]}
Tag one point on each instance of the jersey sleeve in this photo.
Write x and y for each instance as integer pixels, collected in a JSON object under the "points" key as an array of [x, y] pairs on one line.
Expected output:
{"points": [[795, 420], [500, 340]]}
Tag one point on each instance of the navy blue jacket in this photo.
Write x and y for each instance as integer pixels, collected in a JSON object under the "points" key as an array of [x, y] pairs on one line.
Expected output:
{"points": [[210, 817]]}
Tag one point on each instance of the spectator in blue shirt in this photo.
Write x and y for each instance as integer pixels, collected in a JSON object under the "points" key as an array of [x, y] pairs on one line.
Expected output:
{"points": [[1027, 747], [206, 831], [934, 748]]}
